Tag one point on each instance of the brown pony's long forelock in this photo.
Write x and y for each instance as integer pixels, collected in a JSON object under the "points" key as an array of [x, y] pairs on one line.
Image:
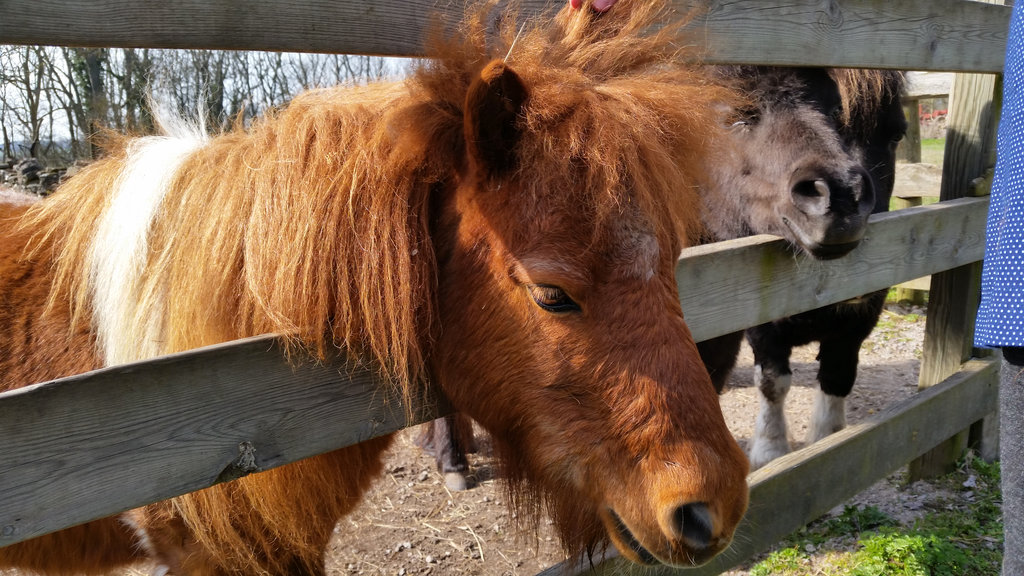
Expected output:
{"points": [[269, 230]]}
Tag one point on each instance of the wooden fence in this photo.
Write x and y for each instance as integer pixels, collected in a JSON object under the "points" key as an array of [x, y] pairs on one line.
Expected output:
{"points": [[96, 444]]}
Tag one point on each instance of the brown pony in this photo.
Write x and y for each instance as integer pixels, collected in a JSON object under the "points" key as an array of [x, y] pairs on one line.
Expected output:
{"points": [[504, 223]]}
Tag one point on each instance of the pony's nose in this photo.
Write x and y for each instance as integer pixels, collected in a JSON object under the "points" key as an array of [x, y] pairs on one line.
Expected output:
{"points": [[692, 523], [853, 194]]}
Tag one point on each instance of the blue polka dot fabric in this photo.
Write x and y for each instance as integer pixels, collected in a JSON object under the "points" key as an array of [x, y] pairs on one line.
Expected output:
{"points": [[1001, 315]]}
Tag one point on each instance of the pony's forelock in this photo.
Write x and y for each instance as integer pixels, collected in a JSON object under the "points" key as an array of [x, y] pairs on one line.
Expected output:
{"points": [[864, 91], [612, 94]]}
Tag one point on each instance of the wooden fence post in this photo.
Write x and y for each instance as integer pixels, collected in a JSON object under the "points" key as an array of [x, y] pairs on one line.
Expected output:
{"points": [[953, 299], [909, 149]]}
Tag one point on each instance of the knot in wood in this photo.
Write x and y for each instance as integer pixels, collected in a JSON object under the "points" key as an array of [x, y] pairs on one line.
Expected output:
{"points": [[831, 15], [243, 465]]}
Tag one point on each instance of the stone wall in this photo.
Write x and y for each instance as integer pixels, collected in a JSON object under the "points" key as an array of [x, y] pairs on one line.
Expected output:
{"points": [[28, 175]]}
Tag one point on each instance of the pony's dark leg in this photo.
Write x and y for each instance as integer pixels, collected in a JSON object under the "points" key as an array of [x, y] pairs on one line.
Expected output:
{"points": [[838, 357], [447, 440], [772, 376], [719, 357], [837, 371]]}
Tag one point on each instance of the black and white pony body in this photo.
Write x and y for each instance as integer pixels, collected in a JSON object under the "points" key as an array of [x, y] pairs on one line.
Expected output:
{"points": [[813, 158]]}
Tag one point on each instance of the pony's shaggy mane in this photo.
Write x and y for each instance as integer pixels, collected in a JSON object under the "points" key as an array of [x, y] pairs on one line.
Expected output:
{"points": [[315, 222]]}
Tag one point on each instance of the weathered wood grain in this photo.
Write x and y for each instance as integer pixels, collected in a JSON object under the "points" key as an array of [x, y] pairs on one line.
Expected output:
{"points": [[801, 486], [906, 35], [92, 445], [909, 34], [732, 285], [970, 151]]}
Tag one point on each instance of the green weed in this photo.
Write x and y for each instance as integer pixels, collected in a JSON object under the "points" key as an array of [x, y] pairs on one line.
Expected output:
{"points": [[960, 536], [782, 562], [915, 554]]}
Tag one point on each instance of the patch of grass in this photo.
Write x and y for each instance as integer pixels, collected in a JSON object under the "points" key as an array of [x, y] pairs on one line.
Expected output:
{"points": [[910, 555], [960, 536], [885, 324], [894, 202], [932, 150], [780, 563], [897, 295], [892, 321]]}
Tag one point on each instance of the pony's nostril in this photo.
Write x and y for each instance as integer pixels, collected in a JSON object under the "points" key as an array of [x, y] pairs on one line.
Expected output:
{"points": [[812, 188], [811, 197], [693, 522], [867, 192]]}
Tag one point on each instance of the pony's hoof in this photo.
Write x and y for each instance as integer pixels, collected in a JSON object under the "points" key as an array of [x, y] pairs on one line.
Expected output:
{"points": [[455, 481]]}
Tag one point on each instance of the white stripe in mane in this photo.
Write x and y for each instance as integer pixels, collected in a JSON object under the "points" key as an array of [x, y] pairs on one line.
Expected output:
{"points": [[119, 248]]}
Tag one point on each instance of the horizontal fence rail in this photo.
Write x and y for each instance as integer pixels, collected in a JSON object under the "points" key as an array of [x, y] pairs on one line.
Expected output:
{"points": [[125, 436], [92, 445], [949, 35], [728, 286]]}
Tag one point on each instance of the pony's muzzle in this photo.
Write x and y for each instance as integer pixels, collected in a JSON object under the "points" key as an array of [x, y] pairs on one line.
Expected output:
{"points": [[689, 536], [831, 212]]}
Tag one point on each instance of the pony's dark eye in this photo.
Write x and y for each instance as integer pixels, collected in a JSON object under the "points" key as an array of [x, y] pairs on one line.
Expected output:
{"points": [[741, 122], [743, 118], [552, 298]]}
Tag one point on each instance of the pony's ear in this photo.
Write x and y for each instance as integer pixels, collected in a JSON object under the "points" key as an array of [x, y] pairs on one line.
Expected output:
{"points": [[490, 117]]}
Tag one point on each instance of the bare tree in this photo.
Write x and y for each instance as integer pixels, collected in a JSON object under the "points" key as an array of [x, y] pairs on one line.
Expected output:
{"points": [[27, 75], [29, 104], [50, 96]]}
